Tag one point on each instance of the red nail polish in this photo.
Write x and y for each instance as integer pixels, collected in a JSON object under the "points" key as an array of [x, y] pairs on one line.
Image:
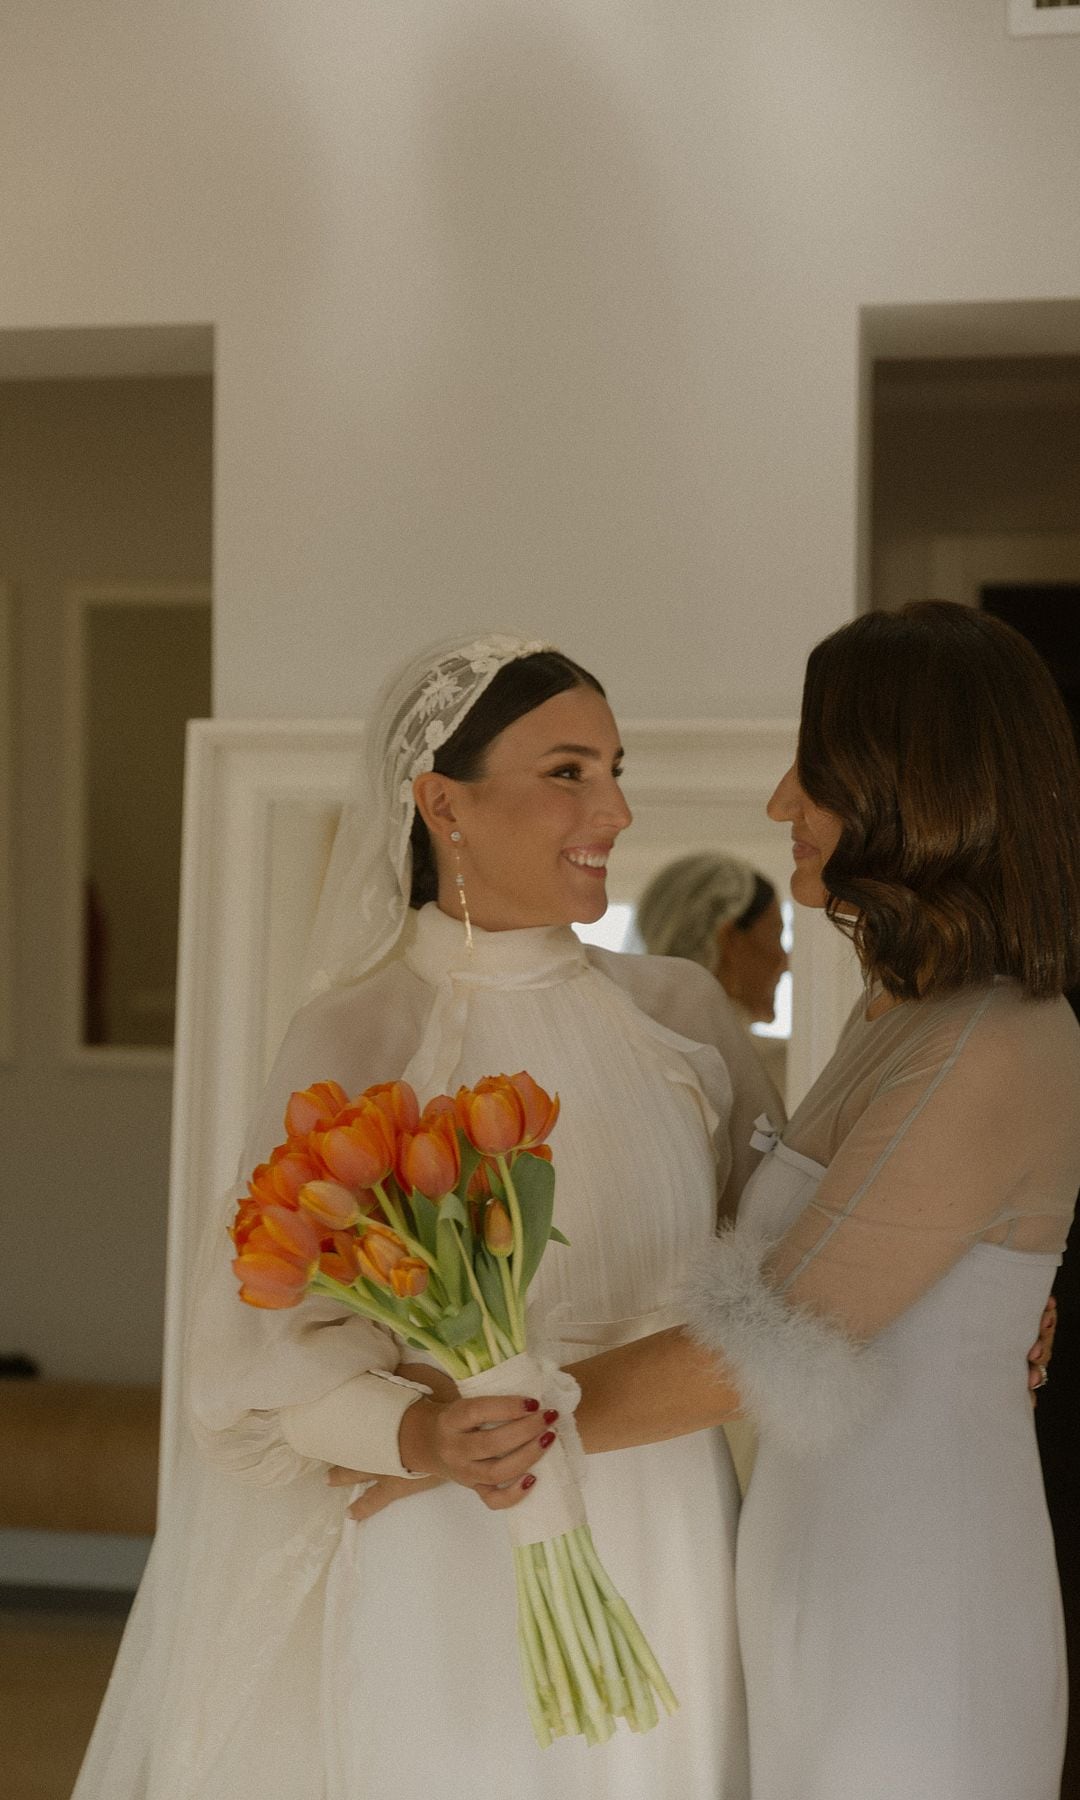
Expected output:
{"points": [[532, 1406], [548, 1438], [528, 1481], [550, 1417]]}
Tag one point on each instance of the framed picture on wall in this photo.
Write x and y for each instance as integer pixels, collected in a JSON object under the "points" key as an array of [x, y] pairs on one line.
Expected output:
{"points": [[1033, 18]]}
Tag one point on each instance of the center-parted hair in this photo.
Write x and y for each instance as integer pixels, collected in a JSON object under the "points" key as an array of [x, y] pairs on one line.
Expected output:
{"points": [[518, 688], [938, 737]]}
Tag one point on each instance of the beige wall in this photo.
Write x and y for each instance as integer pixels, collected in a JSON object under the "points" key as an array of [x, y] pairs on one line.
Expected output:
{"points": [[534, 312], [99, 481]]}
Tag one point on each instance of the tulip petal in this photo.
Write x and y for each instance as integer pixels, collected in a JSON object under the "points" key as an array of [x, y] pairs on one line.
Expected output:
{"points": [[540, 1109], [398, 1101], [329, 1204], [314, 1108]]}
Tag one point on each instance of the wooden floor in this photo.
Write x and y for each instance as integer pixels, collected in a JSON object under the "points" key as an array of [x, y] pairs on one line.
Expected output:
{"points": [[55, 1659]]}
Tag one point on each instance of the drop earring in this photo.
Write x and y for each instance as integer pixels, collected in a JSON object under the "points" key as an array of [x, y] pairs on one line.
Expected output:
{"points": [[459, 883]]}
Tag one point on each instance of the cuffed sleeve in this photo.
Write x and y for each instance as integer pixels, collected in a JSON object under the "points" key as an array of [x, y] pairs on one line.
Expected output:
{"points": [[355, 1425], [801, 1378]]}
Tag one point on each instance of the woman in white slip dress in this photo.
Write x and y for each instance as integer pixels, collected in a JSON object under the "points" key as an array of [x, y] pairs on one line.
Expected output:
{"points": [[898, 1603], [280, 1651]]}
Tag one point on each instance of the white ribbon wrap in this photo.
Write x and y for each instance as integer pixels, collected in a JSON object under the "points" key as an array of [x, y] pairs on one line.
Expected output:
{"points": [[554, 1506]]}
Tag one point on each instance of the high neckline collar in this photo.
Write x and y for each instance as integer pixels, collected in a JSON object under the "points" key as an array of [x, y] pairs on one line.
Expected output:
{"points": [[544, 953]]}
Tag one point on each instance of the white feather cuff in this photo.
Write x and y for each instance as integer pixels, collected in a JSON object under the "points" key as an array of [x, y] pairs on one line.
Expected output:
{"points": [[802, 1379]]}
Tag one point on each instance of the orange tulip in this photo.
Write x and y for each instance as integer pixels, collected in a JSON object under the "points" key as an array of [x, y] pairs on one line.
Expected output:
{"points": [[329, 1204], [541, 1109], [398, 1101], [278, 1182], [542, 1152], [498, 1230], [430, 1159], [248, 1215], [314, 1108], [491, 1115], [278, 1259], [361, 1152], [340, 1262], [479, 1187], [409, 1278], [435, 1108], [379, 1252]]}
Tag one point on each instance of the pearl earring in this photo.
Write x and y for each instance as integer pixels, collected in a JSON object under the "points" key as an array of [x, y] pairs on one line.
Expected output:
{"points": [[459, 883]]}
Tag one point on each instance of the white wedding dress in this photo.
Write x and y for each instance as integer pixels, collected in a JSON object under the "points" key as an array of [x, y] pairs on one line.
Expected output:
{"points": [[282, 1652]]}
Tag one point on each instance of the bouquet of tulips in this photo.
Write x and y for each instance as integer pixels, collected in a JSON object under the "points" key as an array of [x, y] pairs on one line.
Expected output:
{"points": [[433, 1224]]}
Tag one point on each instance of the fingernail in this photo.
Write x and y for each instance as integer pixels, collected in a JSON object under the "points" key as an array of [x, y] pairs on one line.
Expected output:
{"points": [[532, 1406], [550, 1417], [548, 1438], [528, 1481]]}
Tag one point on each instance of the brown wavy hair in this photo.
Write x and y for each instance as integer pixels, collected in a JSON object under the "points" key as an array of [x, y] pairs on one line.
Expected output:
{"points": [[939, 739]]}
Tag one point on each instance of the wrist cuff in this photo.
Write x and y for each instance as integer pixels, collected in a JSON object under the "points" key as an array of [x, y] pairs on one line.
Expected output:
{"points": [[805, 1382], [355, 1425]]}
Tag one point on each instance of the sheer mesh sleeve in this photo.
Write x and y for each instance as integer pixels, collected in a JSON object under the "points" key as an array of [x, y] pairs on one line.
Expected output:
{"points": [[971, 1131]]}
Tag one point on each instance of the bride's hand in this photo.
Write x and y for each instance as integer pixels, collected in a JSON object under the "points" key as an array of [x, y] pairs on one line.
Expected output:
{"points": [[381, 1492], [487, 1444]]}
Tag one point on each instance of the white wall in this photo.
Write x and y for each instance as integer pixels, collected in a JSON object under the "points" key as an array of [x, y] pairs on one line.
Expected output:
{"points": [[533, 310], [99, 481]]}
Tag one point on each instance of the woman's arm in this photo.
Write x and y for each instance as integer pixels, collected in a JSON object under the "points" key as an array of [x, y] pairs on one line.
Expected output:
{"points": [[658, 1387]]}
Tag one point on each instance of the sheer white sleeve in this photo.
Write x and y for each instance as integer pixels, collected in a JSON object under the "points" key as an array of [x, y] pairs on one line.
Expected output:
{"points": [[973, 1133], [957, 1124], [261, 1385]]}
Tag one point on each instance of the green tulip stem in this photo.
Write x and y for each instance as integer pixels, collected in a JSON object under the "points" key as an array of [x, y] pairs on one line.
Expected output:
{"points": [[513, 1309], [620, 1614], [447, 1359], [397, 1223], [477, 1294], [549, 1637], [539, 1693], [641, 1713], [515, 1218], [567, 1624], [618, 1693]]}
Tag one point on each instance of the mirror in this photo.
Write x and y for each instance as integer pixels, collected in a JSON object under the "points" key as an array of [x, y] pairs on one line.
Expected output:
{"points": [[142, 670]]}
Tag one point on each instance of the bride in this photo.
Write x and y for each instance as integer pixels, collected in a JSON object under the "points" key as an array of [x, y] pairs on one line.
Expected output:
{"points": [[278, 1649]]}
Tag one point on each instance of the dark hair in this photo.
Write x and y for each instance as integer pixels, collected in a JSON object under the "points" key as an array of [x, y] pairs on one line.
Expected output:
{"points": [[518, 688], [938, 738], [764, 894]]}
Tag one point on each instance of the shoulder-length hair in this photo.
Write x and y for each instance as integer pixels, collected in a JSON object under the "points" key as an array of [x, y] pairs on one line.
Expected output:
{"points": [[938, 738]]}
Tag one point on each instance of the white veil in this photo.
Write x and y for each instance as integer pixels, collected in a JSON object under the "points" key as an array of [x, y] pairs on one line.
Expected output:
{"points": [[366, 892]]}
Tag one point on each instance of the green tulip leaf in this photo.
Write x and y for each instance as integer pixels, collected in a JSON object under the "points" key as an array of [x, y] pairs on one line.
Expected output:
{"points": [[534, 1182], [470, 1162], [426, 1217], [451, 1268], [384, 1299], [460, 1327], [555, 1236], [490, 1282], [452, 1207]]}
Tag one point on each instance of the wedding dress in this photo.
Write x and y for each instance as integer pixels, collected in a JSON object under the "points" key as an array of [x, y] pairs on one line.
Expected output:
{"points": [[283, 1652]]}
